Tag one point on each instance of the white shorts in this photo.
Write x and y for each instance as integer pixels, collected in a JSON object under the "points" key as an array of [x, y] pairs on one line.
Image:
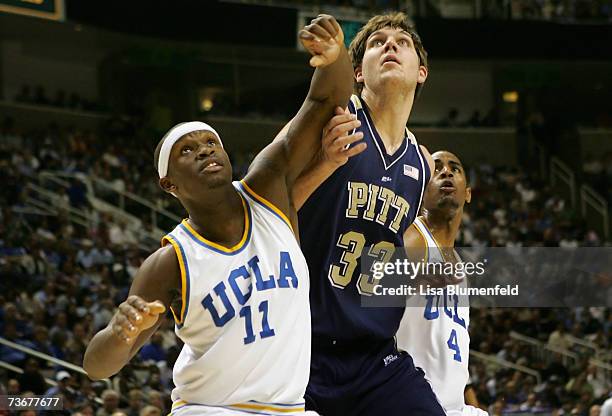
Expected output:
{"points": [[198, 410]]}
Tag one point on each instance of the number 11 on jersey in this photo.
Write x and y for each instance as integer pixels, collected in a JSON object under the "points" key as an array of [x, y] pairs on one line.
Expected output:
{"points": [[266, 331]]}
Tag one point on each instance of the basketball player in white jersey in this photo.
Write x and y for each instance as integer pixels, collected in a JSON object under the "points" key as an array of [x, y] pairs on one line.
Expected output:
{"points": [[242, 310], [434, 329]]}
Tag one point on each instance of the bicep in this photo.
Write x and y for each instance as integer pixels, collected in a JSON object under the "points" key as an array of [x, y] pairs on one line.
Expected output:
{"points": [[158, 278]]}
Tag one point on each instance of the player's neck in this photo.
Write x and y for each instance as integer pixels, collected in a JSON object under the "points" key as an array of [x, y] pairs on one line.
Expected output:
{"points": [[444, 227], [220, 218], [390, 111]]}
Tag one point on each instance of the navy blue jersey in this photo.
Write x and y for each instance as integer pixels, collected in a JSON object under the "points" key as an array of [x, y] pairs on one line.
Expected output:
{"points": [[366, 205]]}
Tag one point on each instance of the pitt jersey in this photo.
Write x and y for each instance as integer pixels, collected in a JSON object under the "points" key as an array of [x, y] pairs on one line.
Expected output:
{"points": [[362, 209], [434, 332], [244, 318]]}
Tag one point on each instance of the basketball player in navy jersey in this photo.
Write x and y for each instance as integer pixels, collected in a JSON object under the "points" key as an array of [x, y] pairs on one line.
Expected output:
{"points": [[363, 206], [237, 357]]}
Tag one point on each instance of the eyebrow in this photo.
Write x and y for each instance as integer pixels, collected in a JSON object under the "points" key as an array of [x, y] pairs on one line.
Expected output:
{"points": [[378, 32]]}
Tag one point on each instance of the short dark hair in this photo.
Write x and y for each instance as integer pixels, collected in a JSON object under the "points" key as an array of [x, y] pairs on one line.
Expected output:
{"points": [[396, 21]]}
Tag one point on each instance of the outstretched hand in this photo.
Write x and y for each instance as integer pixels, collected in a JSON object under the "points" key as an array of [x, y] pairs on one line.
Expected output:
{"points": [[324, 39]]}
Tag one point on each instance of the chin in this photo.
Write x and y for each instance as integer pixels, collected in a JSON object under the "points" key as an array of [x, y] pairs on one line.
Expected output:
{"points": [[216, 180], [447, 202], [219, 182]]}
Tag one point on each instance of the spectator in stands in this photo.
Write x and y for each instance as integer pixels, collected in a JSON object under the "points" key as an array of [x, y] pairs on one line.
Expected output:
{"points": [[84, 409], [153, 350], [110, 403], [155, 398], [63, 380], [41, 340], [150, 411], [135, 403], [13, 388], [559, 338], [32, 380]]}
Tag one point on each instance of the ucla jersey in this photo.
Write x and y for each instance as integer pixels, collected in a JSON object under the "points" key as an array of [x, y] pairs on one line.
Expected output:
{"points": [[365, 205], [245, 316], [434, 332]]}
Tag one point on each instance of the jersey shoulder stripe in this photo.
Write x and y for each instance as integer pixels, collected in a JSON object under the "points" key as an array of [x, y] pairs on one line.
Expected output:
{"points": [[185, 281], [269, 206]]}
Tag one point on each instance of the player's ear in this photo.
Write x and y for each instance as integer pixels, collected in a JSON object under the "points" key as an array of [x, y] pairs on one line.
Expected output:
{"points": [[358, 75], [468, 194], [166, 184], [423, 72]]}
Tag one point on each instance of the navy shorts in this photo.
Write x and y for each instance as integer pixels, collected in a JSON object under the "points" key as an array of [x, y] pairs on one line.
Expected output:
{"points": [[367, 378]]}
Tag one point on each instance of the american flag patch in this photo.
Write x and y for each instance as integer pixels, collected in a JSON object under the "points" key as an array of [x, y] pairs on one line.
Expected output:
{"points": [[412, 172]]}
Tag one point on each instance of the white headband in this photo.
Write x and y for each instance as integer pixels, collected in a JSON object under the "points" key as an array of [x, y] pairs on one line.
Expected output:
{"points": [[173, 136]]}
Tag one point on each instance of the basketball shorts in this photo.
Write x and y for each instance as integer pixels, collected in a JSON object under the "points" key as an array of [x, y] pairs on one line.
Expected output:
{"points": [[369, 378]]}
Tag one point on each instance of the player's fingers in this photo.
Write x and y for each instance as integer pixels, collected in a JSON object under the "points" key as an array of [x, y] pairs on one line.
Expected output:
{"points": [[326, 22], [341, 129], [337, 127], [306, 35], [130, 313], [335, 24], [342, 142], [355, 150], [124, 322], [138, 303], [340, 111], [128, 327], [319, 31], [119, 332], [156, 308]]}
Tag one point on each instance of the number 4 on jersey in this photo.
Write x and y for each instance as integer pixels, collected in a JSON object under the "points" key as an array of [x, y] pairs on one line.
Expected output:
{"points": [[454, 345]]}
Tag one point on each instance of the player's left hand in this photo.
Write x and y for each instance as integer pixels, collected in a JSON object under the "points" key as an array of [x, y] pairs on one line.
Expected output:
{"points": [[473, 411], [337, 138], [324, 39]]}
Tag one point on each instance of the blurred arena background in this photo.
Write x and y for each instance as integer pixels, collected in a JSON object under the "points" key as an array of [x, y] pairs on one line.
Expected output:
{"points": [[521, 90]]}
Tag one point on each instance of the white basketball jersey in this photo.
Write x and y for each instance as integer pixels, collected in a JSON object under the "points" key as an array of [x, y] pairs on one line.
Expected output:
{"points": [[245, 318], [434, 331]]}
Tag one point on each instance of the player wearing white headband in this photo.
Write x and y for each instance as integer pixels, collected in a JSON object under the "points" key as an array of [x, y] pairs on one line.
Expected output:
{"points": [[232, 273]]}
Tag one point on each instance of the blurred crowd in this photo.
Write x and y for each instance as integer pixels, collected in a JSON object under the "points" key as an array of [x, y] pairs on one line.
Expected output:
{"points": [[62, 99], [71, 277], [598, 171], [558, 10]]}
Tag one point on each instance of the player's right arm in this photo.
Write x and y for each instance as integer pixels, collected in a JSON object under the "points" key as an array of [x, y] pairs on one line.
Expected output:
{"points": [[137, 318], [334, 153]]}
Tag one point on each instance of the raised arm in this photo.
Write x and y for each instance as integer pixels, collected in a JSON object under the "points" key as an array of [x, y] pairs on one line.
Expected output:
{"points": [[331, 85], [337, 146], [137, 318]]}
